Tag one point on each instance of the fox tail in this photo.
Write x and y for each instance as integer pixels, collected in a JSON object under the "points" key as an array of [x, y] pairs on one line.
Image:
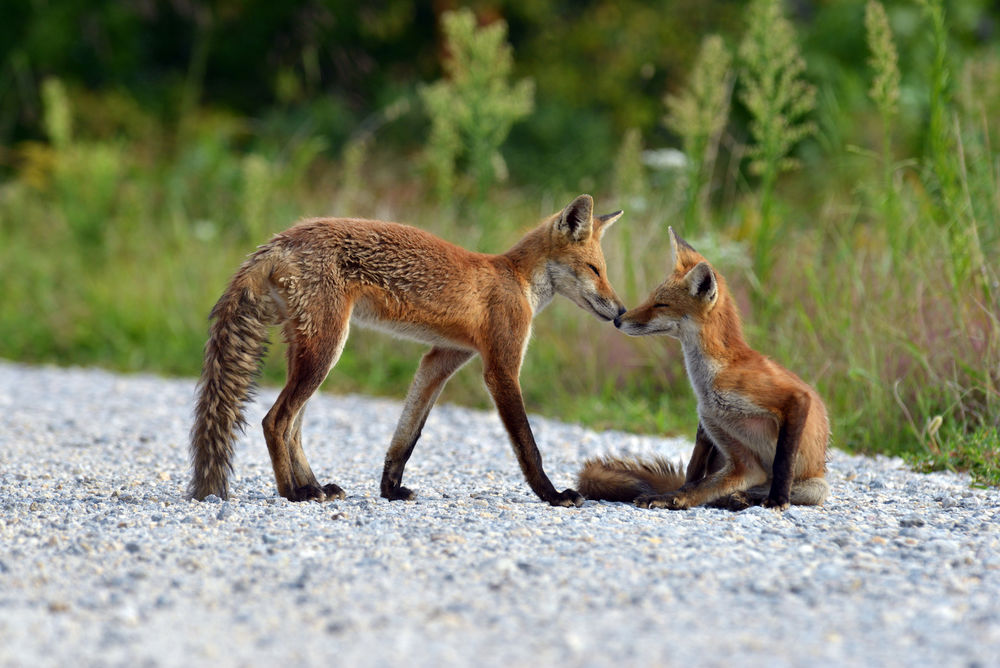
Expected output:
{"points": [[621, 479], [236, 346]]}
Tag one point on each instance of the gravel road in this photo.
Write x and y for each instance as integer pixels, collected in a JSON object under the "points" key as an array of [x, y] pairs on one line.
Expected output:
{"points": [[103, 562]]}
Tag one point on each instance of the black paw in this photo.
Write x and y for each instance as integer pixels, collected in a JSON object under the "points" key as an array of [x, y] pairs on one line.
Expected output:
{"points": [[398, 494], [735, 502], [316, 493], [333, 492], [307, 493], [567, 498], [776, 503]]}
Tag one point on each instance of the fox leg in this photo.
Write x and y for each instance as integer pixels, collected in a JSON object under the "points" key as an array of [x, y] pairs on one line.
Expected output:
{"points": [[501, 380], [705, 459], [309, 362], [740, 472], [301, 472], [436, 367], [789, 438], [806, 492]]}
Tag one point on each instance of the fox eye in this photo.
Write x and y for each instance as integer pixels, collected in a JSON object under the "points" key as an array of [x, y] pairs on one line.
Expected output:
{"points": [[595, 270], [661, 305]]}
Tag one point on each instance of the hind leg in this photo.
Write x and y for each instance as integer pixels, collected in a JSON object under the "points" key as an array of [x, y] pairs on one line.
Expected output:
{"points": [[301, 472], [436, 367], [807, 492], [309, 361], [740, 471]]}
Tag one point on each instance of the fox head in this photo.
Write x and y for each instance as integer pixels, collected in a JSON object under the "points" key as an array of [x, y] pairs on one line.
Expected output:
{"points": [[681, 303], [575, 263]]}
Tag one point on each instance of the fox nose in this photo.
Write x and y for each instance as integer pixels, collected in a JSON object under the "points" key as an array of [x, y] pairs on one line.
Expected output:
{"points": [[618, 321]]}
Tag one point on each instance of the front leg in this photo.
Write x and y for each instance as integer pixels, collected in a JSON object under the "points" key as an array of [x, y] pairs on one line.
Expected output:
{"points": [[787, 446], [705, 458], [501, 380], [436, 367]]}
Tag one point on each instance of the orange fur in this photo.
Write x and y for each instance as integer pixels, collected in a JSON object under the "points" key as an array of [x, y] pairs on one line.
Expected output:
{"points": [[324, 274]]}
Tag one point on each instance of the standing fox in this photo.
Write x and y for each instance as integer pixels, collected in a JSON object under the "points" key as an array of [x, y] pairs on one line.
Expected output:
{"points": [[322, 274], [758, 422]]}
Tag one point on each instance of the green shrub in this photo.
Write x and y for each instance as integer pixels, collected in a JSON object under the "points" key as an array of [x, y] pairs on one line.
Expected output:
{"points": [[472, 110]]}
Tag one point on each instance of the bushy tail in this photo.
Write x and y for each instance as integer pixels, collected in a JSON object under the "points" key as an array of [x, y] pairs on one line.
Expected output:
{"points": [[618, 479], [236, 345]]}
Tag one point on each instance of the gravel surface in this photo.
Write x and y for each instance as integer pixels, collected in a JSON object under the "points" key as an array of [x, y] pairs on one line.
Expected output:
{"points": [[103, 562]]}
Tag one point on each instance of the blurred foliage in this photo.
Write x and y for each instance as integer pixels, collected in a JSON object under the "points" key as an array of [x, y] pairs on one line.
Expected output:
{"points": [[779, 100], [324, 67], [699, 114], [472, 110]]}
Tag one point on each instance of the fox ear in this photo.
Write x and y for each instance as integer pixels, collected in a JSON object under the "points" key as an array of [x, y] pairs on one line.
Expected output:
{"points": [[602, 223], [677, 246], [577, 220], [701, 283], [675, 256]]}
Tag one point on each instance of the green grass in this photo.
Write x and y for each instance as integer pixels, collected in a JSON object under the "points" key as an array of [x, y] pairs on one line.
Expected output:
{"points": [[881, 288]]}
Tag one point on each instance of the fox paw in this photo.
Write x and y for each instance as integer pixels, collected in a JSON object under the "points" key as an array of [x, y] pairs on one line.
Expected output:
{"points": [[776, 504], [316, 493], [307, 493], [567, 498], [398, 494], [736, 502], [670, 501], [333, 492]]}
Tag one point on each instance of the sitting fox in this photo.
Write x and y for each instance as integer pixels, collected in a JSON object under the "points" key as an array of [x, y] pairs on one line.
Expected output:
{"points": [[325, 273], [762, 432]]}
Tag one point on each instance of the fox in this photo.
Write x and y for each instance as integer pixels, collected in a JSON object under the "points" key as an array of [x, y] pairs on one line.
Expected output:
{"points": [[762, 432], [320, 276]]}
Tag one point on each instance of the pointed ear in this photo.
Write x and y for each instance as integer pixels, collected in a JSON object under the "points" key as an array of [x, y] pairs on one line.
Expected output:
{"points": [[678, 247], [701, 283], [577, 220], [602, 223], [675, 256]]}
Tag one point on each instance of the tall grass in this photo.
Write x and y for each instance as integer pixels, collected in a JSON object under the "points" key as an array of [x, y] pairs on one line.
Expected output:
{"points": [[892, 303], [116, 238], [778, 98], [884, 92], [698, 114]]}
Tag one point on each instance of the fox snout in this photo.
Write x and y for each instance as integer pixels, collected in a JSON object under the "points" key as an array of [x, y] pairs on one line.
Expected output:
{"points": [[606, 308], [624, 325], [639, 322], [612, 308], [618, 320]]}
